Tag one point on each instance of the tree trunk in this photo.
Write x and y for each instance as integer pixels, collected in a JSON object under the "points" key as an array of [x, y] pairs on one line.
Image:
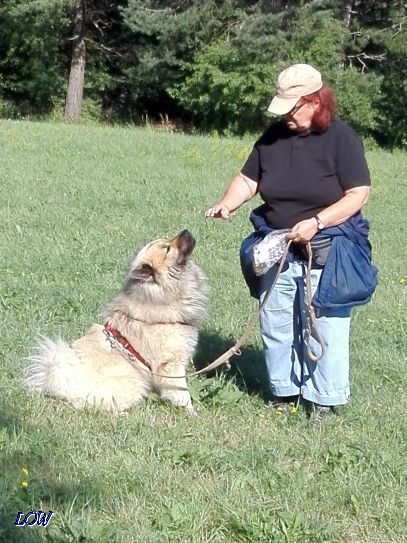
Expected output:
{"points": [[77, 73], [348, 13], [347, 18]]}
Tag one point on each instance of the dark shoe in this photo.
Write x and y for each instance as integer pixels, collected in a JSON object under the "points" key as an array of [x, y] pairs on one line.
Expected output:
{"points": [[321, 413], [284, 404]]}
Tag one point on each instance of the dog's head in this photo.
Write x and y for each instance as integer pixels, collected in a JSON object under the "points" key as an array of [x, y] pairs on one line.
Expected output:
{"points": [[161, 258]]}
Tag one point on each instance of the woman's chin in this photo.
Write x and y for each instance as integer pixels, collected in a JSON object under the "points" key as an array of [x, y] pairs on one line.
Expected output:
{"points": [[291, 125]]}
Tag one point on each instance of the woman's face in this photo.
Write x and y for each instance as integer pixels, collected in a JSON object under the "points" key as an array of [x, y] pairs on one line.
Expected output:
{"points": [[300, 117]]}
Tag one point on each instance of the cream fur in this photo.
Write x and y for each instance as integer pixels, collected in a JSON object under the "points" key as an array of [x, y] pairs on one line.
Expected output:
{"points": [[158, 310]]}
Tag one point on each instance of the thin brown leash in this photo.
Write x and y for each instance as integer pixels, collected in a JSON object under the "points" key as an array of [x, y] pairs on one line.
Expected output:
{"points": [[311, 318], [235, 349]]}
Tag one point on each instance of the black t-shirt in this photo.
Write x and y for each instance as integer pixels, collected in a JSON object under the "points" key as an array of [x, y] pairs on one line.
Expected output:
{"points": [[300, 174]]}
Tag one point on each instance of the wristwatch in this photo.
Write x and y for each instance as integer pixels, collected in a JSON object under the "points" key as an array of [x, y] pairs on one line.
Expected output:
{"points": [[320, 224]]}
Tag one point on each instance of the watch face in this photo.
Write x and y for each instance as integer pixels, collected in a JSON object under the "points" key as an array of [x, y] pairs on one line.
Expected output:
{"points": [[320, 224]]}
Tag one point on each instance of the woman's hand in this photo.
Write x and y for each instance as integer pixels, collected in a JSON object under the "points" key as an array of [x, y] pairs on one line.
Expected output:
{"points": [[240, 190], [303, 231], [218, 211]]}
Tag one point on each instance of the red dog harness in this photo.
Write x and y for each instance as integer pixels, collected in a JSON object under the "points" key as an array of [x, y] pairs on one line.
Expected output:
{"points": [[114, 336]]}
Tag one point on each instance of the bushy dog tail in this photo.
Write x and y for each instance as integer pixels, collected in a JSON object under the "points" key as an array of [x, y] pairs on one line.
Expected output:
{"points": [[49, 367]]}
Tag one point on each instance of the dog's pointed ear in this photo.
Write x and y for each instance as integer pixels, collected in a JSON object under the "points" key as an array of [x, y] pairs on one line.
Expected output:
{"points": [[142, 272], [185, 244]]}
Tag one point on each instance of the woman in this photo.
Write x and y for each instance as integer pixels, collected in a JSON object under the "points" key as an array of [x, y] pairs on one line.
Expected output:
{"points": [[310, 169]]}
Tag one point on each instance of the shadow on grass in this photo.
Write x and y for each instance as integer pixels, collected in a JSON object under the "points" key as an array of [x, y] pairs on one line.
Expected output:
{"points": [[247, 370]]}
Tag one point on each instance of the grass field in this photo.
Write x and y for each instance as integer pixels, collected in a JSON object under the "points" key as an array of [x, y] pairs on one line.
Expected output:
{"points": [[76, 202]]}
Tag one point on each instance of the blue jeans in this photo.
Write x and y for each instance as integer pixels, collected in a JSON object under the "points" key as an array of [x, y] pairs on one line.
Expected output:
{"points": [[282, 326]]}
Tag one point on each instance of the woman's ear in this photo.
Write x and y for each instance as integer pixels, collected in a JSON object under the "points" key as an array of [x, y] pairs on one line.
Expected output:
{"points": [[316, 103]]}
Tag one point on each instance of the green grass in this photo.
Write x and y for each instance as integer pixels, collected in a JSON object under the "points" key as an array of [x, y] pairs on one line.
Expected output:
{"points": [[77, 201]]}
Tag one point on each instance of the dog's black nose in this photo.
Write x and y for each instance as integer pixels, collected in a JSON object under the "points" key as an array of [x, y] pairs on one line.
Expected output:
{"points": [[186, 235], [185, 243]]}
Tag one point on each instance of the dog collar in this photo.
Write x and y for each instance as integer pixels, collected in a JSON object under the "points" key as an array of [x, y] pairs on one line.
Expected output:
{"points": [[114, 336]]}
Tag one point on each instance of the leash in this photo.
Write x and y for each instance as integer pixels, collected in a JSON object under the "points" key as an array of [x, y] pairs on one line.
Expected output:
{"points": [[136, 360], [311, 318]]}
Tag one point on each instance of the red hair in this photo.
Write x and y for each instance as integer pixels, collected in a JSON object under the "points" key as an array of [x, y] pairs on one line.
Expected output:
{"points": [[327, 107]]}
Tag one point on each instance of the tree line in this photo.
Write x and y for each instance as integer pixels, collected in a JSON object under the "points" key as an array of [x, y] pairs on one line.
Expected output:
{"points": [[201, 65]]}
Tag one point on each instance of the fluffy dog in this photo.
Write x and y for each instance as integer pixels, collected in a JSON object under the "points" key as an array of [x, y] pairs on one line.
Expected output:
{"points": [[150, 334]]}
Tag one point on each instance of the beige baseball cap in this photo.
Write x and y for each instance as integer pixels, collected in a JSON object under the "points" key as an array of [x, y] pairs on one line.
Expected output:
{"points": [[292, 84]]}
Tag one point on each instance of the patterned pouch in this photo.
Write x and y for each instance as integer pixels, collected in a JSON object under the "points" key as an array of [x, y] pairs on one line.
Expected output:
{"points": [[269, 251]]}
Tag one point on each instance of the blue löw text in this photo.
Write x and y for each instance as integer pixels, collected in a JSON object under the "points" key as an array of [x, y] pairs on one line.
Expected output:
{"points": [[39, 518]]}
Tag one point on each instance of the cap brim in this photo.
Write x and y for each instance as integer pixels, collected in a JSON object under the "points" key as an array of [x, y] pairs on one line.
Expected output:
{"points": [[281, 106]]}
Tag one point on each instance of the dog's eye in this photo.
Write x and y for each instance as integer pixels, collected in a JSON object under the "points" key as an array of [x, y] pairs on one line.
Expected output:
{"points": [[168, 249]]}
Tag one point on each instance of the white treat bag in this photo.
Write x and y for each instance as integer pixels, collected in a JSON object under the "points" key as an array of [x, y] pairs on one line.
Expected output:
{"points": [[269, 251]]}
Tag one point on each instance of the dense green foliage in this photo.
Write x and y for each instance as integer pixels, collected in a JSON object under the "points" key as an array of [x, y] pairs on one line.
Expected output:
{"points": [[77, 201], [206, 65], [32, 64]]}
